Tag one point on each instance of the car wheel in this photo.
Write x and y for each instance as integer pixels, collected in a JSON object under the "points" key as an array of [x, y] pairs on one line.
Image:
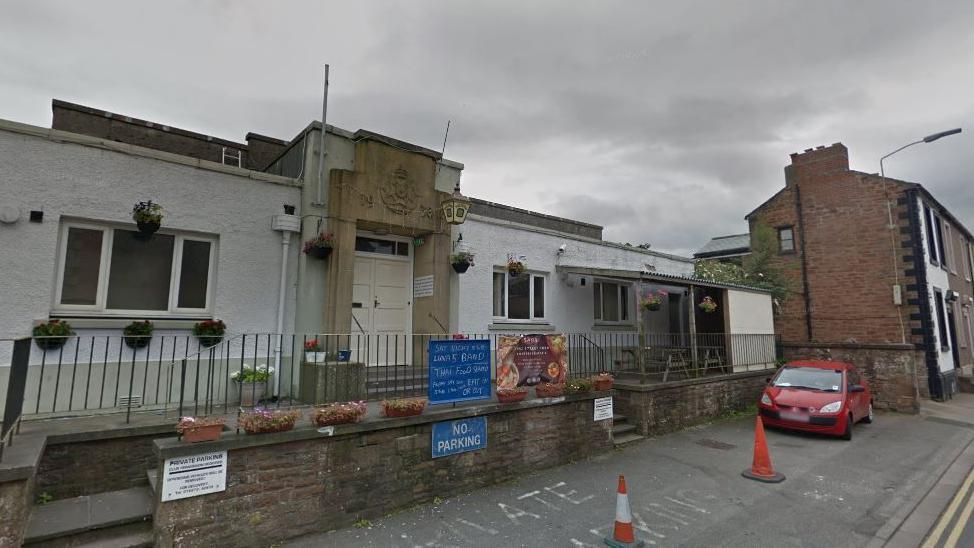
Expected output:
{"points": [[847, 435], [868, 419]]}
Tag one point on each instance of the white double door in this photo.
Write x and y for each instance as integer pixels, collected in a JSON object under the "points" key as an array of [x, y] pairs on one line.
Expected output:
{"points": [[381, 310]]}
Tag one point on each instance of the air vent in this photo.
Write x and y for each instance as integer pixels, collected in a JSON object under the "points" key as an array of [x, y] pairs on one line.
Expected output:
{"points": [[133, 401]]}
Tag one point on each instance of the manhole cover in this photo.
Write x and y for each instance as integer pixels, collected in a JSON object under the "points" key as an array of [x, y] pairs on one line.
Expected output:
{"points": [[714, 444]]}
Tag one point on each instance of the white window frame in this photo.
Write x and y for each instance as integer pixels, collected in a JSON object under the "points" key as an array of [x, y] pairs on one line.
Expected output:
{"points": [[968, 255], [101, 294], [629, 302], [507, 304]]}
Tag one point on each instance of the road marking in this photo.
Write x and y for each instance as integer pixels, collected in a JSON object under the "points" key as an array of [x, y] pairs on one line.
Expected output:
{"points": [[662, 515], [534, 496], [960, 525], [567, 496], [681, 503], [639, 523], [516, 514], [948, 515], [481, 528]]}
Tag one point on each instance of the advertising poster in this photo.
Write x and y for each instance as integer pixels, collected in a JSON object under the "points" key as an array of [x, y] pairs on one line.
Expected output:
{"points": [[530, 359]]}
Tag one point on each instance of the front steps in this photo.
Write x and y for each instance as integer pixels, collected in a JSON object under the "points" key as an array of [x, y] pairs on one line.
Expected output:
{"points": [[624, 433], [115, 519]]}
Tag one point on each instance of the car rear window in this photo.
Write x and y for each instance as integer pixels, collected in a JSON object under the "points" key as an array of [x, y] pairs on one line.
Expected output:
{"points": [[809, 377]]}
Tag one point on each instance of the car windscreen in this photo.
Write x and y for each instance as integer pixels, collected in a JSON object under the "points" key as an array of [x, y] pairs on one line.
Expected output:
{"points": [[809, 377]]}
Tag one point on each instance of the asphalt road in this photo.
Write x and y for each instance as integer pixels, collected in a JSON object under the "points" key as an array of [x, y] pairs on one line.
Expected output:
{"points": [[686, 490]]}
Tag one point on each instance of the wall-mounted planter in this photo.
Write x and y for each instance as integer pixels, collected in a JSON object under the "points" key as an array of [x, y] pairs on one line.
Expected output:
{"points": [[460, 268], [209, 432], [319, 252], [148, 228], [138, 341]]}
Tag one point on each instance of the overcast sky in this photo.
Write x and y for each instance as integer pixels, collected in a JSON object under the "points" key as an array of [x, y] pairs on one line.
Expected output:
{"points": [[665, 122]]}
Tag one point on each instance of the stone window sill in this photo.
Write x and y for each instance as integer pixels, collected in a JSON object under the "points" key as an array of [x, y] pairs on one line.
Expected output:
{"points": [[520, 326]]}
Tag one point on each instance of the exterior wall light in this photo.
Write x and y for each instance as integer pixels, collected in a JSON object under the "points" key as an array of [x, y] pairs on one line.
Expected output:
{"points": [[455, 207]]}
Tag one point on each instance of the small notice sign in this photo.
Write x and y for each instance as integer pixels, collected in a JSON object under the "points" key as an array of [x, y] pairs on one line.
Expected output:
{"points": [[423, 286], [603, 408], [184, 477], [460, 436], [459, 370]]}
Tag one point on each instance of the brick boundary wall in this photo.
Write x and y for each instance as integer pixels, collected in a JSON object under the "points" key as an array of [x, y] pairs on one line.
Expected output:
{"points": [[662, 408], [73, 469], [296, 483], [16, 502], [891, 369]]}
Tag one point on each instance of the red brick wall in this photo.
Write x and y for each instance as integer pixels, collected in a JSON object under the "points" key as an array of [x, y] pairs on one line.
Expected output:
{"points": [[848, 251]]}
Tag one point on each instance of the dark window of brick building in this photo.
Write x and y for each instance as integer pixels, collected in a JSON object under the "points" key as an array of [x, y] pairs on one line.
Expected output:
{"points": [[941, 254], [786, 239], [938, 301], [931, 235]]}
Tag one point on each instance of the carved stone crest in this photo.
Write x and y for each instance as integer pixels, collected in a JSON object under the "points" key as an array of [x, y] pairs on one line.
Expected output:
{"points": [[398, 192]]}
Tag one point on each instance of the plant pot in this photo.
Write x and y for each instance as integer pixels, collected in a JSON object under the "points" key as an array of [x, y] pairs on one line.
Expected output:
{"points": [[315, 357], [394, 413], [653, 307], [210, 340], [349, 417], [511, 397], [320, 252], [602, 385], [210, 432], [147, 228], [251, 392], [270, 430], [549, 391], [50, 343], [137, 341], [460, 268]]}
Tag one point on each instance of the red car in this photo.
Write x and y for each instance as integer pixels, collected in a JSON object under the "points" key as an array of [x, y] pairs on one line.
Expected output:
{"points": [[817, 396]]}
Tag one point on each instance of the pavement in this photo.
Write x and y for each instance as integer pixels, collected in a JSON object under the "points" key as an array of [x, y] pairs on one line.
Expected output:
{"points": [[686, 489]]}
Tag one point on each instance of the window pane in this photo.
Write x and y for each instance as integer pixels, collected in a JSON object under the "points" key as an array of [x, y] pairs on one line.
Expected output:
{"points": [[499, 298], [375, 245], [610, 302], [598, 301], [402, 249], [538, 297], [141, 271], [519, 297], [82, 260], [624, 302], [193, 274], [786, 239]]}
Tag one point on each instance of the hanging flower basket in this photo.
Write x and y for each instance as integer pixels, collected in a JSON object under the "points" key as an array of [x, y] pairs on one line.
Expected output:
{"points": [[148, 217], [515, 268], [320, 246], [52, 334], [708, 305], [137, 334], [210, 332], [406, 407], [193, 430], [339, 413], [511, 395], [461, 261], [653, 300]]}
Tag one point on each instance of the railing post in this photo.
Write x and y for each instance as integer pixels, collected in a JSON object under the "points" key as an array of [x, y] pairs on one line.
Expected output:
{"points": [[16, 387], [182, 384]]}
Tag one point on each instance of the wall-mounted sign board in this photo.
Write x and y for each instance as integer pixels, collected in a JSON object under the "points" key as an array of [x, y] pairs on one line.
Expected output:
{"points": [[459, 370], [459, 436], [195, 475]]}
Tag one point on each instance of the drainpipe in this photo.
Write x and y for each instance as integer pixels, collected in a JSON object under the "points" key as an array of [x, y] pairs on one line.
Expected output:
{"points": [[286, 224], [801, 239]]}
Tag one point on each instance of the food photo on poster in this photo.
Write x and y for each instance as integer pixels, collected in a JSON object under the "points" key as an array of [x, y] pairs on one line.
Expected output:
{"points": [[530, 359]]}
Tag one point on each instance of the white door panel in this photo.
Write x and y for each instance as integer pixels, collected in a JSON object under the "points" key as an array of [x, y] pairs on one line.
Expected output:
{"points": [[381, 304]]}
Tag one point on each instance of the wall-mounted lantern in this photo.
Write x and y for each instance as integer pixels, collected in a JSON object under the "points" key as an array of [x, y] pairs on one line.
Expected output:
{"points": [[455, 207]]}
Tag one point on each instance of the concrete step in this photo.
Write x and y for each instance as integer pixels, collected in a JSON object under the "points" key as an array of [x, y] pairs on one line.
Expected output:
{"points": [[620, 429], [616, 418], [117, 518], [626, 439]]}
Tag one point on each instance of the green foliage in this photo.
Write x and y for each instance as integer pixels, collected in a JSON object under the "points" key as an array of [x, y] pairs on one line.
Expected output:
{"points": [[757, 269], [44, 498], [363, 523]]}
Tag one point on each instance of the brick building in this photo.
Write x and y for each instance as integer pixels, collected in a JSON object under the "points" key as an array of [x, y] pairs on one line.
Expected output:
{"points": [[874, 264]]}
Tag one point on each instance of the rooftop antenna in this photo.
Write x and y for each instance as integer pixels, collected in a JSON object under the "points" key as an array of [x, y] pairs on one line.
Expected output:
{"points": [[443, 150]]}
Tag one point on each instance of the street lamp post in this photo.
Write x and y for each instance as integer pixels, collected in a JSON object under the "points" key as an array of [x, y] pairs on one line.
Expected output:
{"points": [[898, 297]]}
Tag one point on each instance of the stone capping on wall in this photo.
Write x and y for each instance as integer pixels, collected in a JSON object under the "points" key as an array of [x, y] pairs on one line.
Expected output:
{"points": [[172, 447], [851, 345], [636, 387], [58, 136]]}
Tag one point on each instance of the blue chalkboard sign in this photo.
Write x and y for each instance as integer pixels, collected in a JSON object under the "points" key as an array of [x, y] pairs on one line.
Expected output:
{"points": [[460, 436], [459, 371]]}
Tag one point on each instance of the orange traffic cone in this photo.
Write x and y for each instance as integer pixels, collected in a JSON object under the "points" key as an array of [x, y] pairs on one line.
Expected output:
{"points": [[622, 535], [761, 469]]}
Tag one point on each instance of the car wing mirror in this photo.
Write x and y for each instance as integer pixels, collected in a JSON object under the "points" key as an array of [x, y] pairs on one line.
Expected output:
{"points": [[767, 380], [857, 388]]}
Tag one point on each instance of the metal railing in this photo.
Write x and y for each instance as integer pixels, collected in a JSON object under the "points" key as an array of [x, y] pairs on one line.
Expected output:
{"points": [[178, 375]]}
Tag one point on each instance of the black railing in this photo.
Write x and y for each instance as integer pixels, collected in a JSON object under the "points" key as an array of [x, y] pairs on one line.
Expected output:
{"points": [[180, 375], [16, 383]]}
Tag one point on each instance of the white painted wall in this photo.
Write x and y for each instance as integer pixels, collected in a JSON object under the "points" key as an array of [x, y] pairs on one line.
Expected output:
{"points": [[936, 278], [567, 309]]}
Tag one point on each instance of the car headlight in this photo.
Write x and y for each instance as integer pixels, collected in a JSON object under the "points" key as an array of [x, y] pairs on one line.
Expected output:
{"points": [[765, 399], [831, 408]]}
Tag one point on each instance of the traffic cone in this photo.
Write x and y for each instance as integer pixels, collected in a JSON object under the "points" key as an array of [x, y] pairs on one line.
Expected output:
{"points": [[761, 469], [622, 535]]}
